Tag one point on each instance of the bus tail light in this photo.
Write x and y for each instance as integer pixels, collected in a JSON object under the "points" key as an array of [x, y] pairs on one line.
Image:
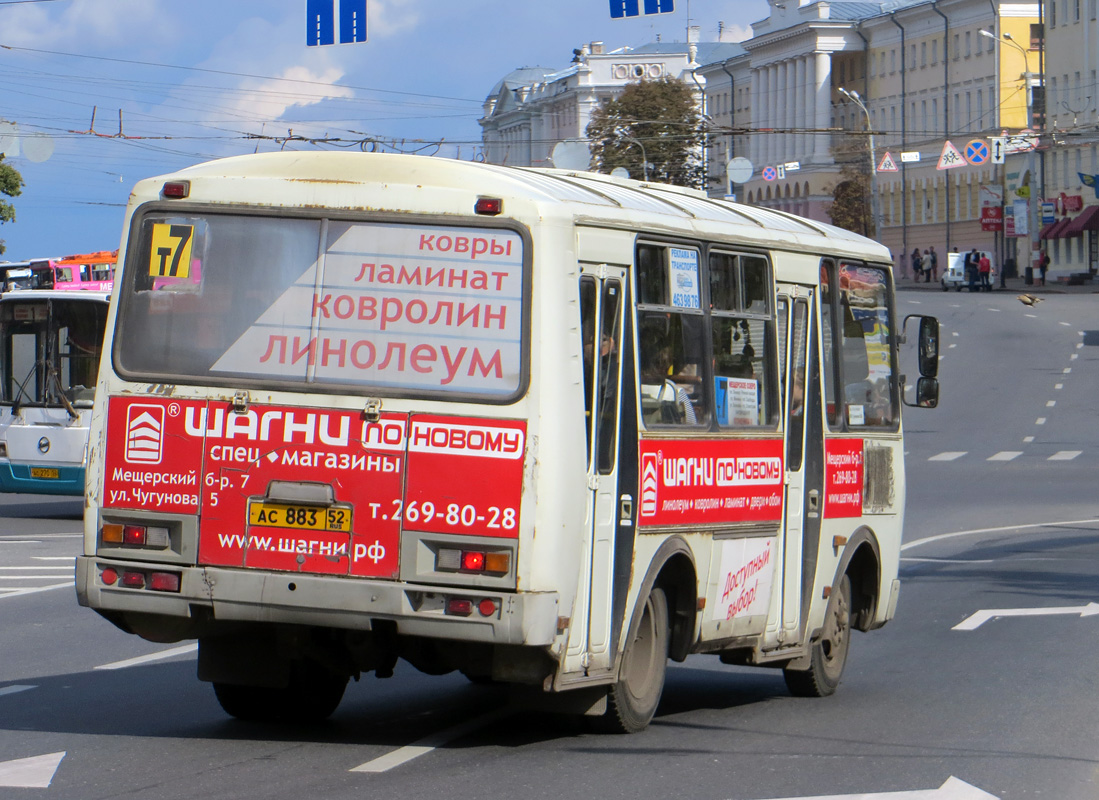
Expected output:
{"points": [[132, 579], [134, 535], [164, 581], [177, 190], [488, 206], [459, 606], [109, 576], [453, 560]]}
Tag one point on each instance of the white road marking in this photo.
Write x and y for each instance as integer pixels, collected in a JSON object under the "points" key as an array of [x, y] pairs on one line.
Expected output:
{"points": [[1079, 345], [993, 309], [163, 654], [17, 592], [951, 346], [1050, 403], [953, 789], [30, 773], [1066, 324], [1005, 455], [420, 747], [950, 455], [1040, 421], [15, 688], [1003, 529], [950, 560], [1028, 439], [1032, 316], [20, 541], [52, 558], [974, 621], [30, 577], [1074, 356], [955, 333], [1064, 455], [1067, 370], [1058, 386], [69, 569]]}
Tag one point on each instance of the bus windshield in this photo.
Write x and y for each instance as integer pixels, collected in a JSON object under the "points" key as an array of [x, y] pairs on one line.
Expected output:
{"points": [[51, 350], [235, 299]]}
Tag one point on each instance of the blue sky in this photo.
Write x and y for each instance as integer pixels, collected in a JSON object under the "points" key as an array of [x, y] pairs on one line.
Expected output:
{"points": [[202, 79]]}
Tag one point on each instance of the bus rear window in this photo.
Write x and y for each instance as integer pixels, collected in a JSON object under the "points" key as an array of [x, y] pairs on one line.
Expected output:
{"points": [[237, 299]]}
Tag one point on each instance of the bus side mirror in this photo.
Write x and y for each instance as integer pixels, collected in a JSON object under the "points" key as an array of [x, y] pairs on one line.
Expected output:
{"points": [[928, 348], [927, 356], [927, 393]]}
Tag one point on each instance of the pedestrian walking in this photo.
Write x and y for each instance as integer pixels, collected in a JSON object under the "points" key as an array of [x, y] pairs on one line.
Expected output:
{"points": [[916, 259], [925, 265], [1043, 265], [984, 267], [934, 265]]}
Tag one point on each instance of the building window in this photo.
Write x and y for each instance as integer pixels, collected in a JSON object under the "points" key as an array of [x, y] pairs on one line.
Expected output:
{"points": [[923, 54], [934, 51], [912, 56], [968, 44], [957, 50], [1053, 15], [1075, 10], [981, 110], [1037, 36], [892, 61]]}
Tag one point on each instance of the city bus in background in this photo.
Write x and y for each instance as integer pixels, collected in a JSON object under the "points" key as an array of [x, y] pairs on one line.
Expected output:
{"points": [[545, 428], [86, 271], [50, 342]]}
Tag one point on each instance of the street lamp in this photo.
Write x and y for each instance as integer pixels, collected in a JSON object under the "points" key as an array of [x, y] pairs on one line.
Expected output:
{"points": [[644, 158], [1035, 195], [854, 97]]}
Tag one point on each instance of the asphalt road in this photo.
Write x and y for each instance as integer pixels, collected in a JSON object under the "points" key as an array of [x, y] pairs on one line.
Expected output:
{"points": [[1002, 515]]}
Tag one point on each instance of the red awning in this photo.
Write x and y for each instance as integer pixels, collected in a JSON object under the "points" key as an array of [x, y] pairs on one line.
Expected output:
{"points": [[1086, 220], [1054, 230]]}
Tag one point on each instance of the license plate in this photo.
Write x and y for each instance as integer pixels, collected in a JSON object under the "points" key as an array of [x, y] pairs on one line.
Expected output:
{"points": [[50, 473], [306, 518]]}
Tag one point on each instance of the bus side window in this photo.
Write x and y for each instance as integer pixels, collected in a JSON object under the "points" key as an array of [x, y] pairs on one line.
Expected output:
{"points": [[671, 336], [587, 334], [744, 380], [828, 343], [866, 347]]}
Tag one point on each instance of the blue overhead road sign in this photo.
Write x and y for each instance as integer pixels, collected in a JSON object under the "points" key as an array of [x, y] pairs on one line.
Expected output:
{"points": [[320, 22], [632, 8]]}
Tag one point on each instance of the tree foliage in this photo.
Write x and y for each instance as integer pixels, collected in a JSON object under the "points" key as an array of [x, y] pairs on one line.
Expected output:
{"points": [[852, 207], [658, 118], [11, 185]]}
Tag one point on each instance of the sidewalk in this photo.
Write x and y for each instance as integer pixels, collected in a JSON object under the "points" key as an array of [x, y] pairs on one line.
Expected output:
{"points": [[1015, 285]]}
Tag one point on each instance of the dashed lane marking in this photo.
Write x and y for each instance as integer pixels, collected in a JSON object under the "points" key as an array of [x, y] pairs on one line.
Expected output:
{"points": [[1005, 455], [950, 455], [418, 748], [1064, 455], [163, 654]]}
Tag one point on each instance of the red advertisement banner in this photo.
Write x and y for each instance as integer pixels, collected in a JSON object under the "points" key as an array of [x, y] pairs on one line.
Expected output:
{"points": [[310, 489], [710, 482], [843, 475]]}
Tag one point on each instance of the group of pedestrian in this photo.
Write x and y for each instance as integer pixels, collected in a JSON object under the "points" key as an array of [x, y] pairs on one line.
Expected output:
{"points": [[978, 268], [925, 264]]}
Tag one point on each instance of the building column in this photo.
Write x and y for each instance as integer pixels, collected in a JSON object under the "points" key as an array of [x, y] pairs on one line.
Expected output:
{"points": [[822, 82], [783, 118], [801, 118], [753, 141], [791, 110]]}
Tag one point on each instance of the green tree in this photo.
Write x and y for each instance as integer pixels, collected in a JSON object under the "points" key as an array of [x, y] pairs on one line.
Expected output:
{"points": [[656, 121], [851, 205], [11, 184]]}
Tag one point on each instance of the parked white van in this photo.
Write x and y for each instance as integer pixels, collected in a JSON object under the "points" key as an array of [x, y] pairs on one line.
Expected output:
{"points": [[954, 276]]}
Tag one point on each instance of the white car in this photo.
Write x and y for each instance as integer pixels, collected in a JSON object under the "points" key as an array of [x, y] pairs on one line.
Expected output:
{"points": [[954, 277]]}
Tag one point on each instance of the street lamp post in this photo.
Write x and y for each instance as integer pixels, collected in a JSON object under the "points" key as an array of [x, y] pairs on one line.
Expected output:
{"points": [[875, 217], [1035, 198], [644, 158]]}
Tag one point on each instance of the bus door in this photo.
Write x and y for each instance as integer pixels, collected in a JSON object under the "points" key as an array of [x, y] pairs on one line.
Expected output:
{"points": [[804, 459], [602, 293]]}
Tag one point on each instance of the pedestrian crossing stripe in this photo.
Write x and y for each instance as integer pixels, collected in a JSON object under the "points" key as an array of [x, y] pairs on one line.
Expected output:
{"points": [[951, 158], [888, 164]]}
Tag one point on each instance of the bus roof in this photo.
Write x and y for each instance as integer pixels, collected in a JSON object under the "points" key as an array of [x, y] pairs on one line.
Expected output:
{"points": [[98, 257], [420, 184], [87, 295]]}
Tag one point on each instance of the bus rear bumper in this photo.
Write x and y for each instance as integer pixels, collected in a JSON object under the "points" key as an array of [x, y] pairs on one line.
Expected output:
{"points": [[211, 595]]}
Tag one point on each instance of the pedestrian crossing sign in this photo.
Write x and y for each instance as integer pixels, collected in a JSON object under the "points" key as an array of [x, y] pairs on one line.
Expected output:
{"points": [[888, 164], [951, 157]]}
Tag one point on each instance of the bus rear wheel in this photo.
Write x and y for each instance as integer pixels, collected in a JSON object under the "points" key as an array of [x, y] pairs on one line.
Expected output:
{"points": [[632, 701], [311, 696], [829, 655]]}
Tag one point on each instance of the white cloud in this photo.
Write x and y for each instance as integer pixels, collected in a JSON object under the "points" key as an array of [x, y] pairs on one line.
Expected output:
{"points": [[85, 26]]}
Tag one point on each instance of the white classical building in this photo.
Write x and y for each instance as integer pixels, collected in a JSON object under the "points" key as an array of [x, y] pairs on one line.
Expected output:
{"points": [[533, 108]]}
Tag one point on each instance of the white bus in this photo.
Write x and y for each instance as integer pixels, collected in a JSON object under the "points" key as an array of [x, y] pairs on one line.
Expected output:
{"points": [[546, 428], [50, 342]]}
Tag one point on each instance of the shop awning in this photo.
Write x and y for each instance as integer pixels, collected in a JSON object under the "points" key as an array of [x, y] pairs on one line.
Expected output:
{"points": [[1086, 220], [1054, 230]]}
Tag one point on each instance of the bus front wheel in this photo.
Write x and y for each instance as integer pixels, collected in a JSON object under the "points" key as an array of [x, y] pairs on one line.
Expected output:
{"points": [[829, 655], [632, 701]]}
